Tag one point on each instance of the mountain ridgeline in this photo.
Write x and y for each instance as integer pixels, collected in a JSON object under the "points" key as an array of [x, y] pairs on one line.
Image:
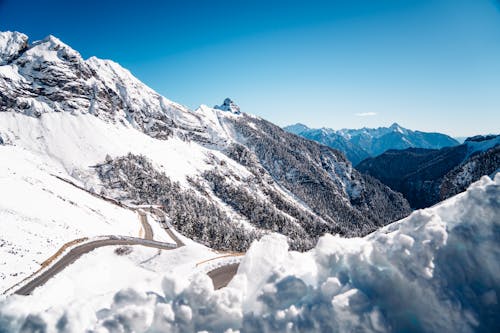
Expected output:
{"points": [[428, 176], [224, 177], [359, 144]]}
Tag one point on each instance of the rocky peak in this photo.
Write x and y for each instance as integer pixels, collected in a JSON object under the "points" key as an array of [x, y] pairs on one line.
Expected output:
{"points": [[52, 49], [395, 126], [296, 128], [229, 105], [12, 43]]}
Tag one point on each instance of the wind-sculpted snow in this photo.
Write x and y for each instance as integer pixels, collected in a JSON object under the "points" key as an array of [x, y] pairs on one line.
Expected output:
{"points": [[435, 271]]}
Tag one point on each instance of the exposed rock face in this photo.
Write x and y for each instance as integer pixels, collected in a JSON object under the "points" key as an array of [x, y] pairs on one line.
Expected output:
{"points": [[229, 106], [427, 176]]}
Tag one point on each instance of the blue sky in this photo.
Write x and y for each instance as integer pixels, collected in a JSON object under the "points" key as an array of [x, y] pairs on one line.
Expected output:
{"points": [[428, 65]]}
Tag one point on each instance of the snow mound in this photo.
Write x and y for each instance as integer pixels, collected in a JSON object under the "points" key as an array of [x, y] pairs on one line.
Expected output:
{"points": [[435, 271]]}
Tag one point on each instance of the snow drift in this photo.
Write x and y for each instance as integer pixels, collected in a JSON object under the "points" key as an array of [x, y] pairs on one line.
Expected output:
{"points": [[435, 271]]}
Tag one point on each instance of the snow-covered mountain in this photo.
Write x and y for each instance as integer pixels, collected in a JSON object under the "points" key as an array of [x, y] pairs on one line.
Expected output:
{"points": [[224, 177], [427, 176], [359, 144], [86, 148]]}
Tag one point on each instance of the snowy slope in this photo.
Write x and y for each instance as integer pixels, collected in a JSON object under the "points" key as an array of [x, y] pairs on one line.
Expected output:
{"points": [[435, 271], [78, 142], [39, 213]]}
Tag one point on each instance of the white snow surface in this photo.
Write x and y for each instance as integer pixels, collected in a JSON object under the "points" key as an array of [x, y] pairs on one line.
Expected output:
{"points": [[79, 141], [39, 213], [435, 271]]}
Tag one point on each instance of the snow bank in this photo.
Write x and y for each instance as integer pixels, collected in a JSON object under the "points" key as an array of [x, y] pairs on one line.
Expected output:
{"points": [[435, 271]]}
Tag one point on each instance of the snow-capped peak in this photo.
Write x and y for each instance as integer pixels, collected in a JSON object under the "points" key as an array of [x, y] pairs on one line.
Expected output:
{"points": [[53, 41], [53, 49], [11, 44], [396, 128], [228, 105], [296, 128]]}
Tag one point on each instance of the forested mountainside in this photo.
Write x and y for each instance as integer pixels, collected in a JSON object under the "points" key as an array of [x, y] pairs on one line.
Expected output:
{"points": [[427, 176]]}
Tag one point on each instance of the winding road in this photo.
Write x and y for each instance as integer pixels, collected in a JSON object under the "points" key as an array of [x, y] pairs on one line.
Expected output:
{"points": [[148, 231], [220, 276], [80, 250]]}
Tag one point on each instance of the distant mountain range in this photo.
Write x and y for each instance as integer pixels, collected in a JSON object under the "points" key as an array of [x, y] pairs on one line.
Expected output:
{"points": [[359, 144], [427, 176]]}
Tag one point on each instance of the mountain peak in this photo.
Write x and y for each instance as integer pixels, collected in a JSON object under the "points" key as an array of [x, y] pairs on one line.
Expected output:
{"points": [[228, 105], [54, 44], [52, 39], [12, 43], [53, 49], [296, 128], [396, 128]]}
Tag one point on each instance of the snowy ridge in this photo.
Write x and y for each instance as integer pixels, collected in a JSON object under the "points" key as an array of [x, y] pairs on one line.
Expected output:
{"points": [[50, 76]]}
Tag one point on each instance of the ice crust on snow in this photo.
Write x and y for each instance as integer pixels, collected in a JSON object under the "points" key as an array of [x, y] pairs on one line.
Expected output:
{"points": [[435, 271]]}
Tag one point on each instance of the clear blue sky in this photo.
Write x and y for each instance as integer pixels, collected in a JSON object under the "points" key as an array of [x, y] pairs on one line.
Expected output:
{"points": [[429, 65]]}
